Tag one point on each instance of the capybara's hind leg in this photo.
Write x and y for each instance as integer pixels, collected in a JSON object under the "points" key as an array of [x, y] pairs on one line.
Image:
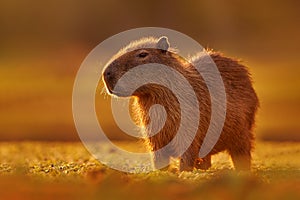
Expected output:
{"points": [[241, 161], [241, 156], [203, 163]]}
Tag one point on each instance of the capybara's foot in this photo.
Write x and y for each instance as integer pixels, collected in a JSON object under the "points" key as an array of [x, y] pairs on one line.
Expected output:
{"points": [[203, 163]]}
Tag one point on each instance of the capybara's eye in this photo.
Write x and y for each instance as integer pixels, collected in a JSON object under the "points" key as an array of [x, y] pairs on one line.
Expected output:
{"points": [[142, 55]]}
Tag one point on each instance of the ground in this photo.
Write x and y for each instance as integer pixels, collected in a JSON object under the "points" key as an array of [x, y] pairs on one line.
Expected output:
{"points": [[34, 170]]}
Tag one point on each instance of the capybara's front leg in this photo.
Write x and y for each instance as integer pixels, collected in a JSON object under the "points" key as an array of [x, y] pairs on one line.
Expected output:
{"points": [[161, 159], [187, 160], [186, 164]]}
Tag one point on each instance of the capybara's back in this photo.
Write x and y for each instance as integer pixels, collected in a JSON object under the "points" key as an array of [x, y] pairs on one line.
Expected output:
{"points": [[241, 103]]}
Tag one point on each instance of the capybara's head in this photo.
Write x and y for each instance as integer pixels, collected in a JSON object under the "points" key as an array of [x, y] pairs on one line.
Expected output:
{"points": [[144, 51]]}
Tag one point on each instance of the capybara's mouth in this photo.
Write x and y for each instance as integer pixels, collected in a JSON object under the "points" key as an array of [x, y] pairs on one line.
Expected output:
{"points": [[109, 90], [113, 91]]}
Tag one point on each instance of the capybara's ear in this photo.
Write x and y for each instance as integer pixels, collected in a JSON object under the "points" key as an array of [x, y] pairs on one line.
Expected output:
{"points": [[163, 43]]}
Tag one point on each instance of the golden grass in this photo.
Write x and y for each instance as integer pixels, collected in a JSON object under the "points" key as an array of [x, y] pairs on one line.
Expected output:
{"points": [[66, 170]]}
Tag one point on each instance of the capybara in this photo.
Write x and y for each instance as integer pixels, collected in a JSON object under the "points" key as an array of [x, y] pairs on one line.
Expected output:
{"points": [[237, 136]]}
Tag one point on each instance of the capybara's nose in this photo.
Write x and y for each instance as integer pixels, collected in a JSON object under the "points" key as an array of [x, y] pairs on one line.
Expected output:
{"points": [[107, 74]]}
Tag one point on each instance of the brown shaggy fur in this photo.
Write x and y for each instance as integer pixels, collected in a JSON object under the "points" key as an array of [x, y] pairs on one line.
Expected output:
{"points": [[237, 134]]}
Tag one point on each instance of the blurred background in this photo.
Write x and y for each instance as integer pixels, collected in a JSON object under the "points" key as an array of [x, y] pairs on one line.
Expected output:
{"points": [[42, 44]]}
